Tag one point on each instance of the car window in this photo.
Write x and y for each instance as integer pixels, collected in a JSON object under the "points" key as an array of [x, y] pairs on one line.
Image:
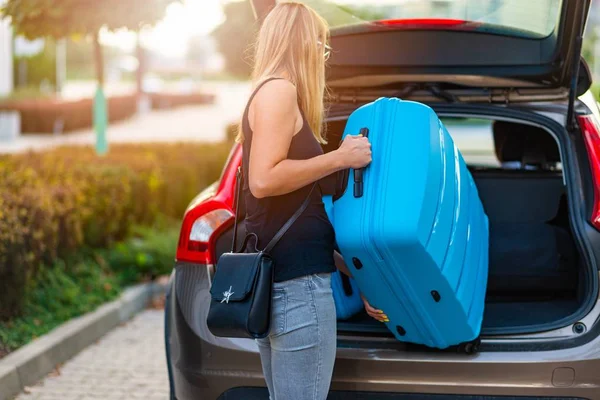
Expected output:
{"points": [[475, 140], [530, 18]]}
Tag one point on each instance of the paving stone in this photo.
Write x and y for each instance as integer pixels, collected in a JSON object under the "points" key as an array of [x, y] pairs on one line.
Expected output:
{"points": [[124, 363]]}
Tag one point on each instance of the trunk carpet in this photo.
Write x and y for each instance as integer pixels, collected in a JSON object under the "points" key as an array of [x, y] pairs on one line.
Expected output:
{"points": [[522, 317], [530, 316]]}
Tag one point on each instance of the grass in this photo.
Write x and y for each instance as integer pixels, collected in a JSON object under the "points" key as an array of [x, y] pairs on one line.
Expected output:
{"points": [[73, 287], [147, 254], [67, 290]]}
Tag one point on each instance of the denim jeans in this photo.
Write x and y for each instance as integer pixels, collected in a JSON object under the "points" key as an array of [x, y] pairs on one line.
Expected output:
{"points": [[298, 355]]}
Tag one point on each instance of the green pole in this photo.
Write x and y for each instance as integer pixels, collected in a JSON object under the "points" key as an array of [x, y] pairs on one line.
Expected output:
{"points": [[100, 121]]}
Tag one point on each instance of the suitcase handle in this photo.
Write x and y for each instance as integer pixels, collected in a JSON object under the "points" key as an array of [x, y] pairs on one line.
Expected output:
{"points": [[346, 285], [358, 173]]}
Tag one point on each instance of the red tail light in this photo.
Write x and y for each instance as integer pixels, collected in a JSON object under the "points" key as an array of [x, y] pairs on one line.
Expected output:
{"points": [[591, 134], [209, 215]]}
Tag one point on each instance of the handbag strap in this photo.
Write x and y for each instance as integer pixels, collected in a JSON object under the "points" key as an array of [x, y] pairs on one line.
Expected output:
{"points": [[238, 189], [281, 230]]}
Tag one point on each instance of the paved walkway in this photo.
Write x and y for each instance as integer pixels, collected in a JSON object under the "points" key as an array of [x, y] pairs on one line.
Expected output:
{"points": [[205, 123], [127, 363]]}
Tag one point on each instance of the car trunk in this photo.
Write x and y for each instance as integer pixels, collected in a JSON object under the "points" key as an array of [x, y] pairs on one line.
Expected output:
{"points": [[537, 279]]}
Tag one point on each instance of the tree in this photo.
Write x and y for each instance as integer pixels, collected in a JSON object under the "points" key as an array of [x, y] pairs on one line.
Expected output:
{"points": [[589, 45], [65, 18], [197, 52], [235, 35], [32, 70]]}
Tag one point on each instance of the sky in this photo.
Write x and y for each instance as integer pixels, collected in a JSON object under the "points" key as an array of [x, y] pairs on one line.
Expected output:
{"points": [[169, 37]]}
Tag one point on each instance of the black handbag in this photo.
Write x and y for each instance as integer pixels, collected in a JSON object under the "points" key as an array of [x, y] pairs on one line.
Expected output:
{"points": [[242, 287]]}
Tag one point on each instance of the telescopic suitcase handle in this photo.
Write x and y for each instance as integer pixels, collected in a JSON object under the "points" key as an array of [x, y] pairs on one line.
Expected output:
{"points": [[358, 173]]}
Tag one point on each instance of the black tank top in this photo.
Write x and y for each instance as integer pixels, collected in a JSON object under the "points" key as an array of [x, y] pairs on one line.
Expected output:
{"points": [[307, 247]]}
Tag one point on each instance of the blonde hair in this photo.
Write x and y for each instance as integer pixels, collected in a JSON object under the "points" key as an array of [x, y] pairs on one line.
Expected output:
{"points": [[289, 40]]}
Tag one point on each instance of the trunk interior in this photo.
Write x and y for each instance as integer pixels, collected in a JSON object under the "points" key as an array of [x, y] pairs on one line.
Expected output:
{"points": [[536, 277]]}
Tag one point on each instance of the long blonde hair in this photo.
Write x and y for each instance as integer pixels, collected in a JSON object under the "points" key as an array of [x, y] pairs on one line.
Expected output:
{"points": [[292, 38]]}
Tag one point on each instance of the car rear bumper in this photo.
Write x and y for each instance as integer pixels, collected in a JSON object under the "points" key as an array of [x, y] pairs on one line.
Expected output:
{"points": [[249, 393], [207, 367]]}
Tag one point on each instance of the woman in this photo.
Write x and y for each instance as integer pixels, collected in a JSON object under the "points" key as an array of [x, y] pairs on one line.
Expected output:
{"points": [[281, 132]]}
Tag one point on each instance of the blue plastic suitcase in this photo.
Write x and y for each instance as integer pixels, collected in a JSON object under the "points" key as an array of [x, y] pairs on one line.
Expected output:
{"points": [[412, 229], [346, 294]]}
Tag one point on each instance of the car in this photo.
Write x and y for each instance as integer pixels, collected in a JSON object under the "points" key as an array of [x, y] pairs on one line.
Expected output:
{"points": [[508, 80]]}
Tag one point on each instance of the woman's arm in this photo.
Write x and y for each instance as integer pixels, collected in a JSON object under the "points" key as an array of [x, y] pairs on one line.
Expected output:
{"points": [[341, 264], [273, 117]]}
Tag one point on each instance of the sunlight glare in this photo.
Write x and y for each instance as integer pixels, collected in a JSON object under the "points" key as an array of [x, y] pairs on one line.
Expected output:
{"points": [[170, 36]]}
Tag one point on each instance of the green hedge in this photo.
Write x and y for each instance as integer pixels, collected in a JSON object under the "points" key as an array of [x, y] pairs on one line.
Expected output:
{"points": [[49, 114], [146, 254], [171, 100], [69, 288], [64, 291], [55, 203]]}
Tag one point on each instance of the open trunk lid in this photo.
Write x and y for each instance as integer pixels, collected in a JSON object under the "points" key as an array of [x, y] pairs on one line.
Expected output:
{"points": [[467, 50]]}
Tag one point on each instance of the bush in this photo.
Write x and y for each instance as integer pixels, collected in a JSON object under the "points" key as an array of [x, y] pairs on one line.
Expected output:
{"points": [[56, 202], [149, 253], [596, 91], [231, 131], [26, 93], [38, 69], [47, 115], [170, 100], [60, 292]]}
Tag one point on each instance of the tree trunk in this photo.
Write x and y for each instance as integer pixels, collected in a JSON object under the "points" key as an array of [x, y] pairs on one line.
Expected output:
{"points": [[61, 65], [141, 70], [99, 60]]}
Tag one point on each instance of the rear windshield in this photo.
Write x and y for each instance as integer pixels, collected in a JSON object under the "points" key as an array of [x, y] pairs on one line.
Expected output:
{"points": [[530, 18]]}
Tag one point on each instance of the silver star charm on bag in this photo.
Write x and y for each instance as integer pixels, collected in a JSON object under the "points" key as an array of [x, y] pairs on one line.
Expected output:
{"points": [[226, 295]]}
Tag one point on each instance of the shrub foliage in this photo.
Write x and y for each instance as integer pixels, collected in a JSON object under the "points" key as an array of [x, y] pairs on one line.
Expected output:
{"points": [[53, 115], [55, 203]]}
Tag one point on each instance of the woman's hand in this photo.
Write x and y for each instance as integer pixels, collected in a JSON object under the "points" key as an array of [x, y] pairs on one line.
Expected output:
{"points": [[374, 313], [355, 152]]}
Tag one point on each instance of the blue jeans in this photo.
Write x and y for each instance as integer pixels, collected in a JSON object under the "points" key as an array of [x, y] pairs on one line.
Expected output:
{"points": [[298, 355]]}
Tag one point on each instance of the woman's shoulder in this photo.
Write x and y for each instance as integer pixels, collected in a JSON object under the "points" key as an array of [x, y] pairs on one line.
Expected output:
{"points": [[275, 101], [276, 92]]}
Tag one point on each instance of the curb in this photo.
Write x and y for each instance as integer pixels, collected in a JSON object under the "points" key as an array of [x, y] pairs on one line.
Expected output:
{"points": [[35, 360]]}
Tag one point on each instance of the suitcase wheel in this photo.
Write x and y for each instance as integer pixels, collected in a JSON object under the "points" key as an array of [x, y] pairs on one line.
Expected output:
{"points": [[471, 347], [436, 296], [356, 262], [401, 331]]}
